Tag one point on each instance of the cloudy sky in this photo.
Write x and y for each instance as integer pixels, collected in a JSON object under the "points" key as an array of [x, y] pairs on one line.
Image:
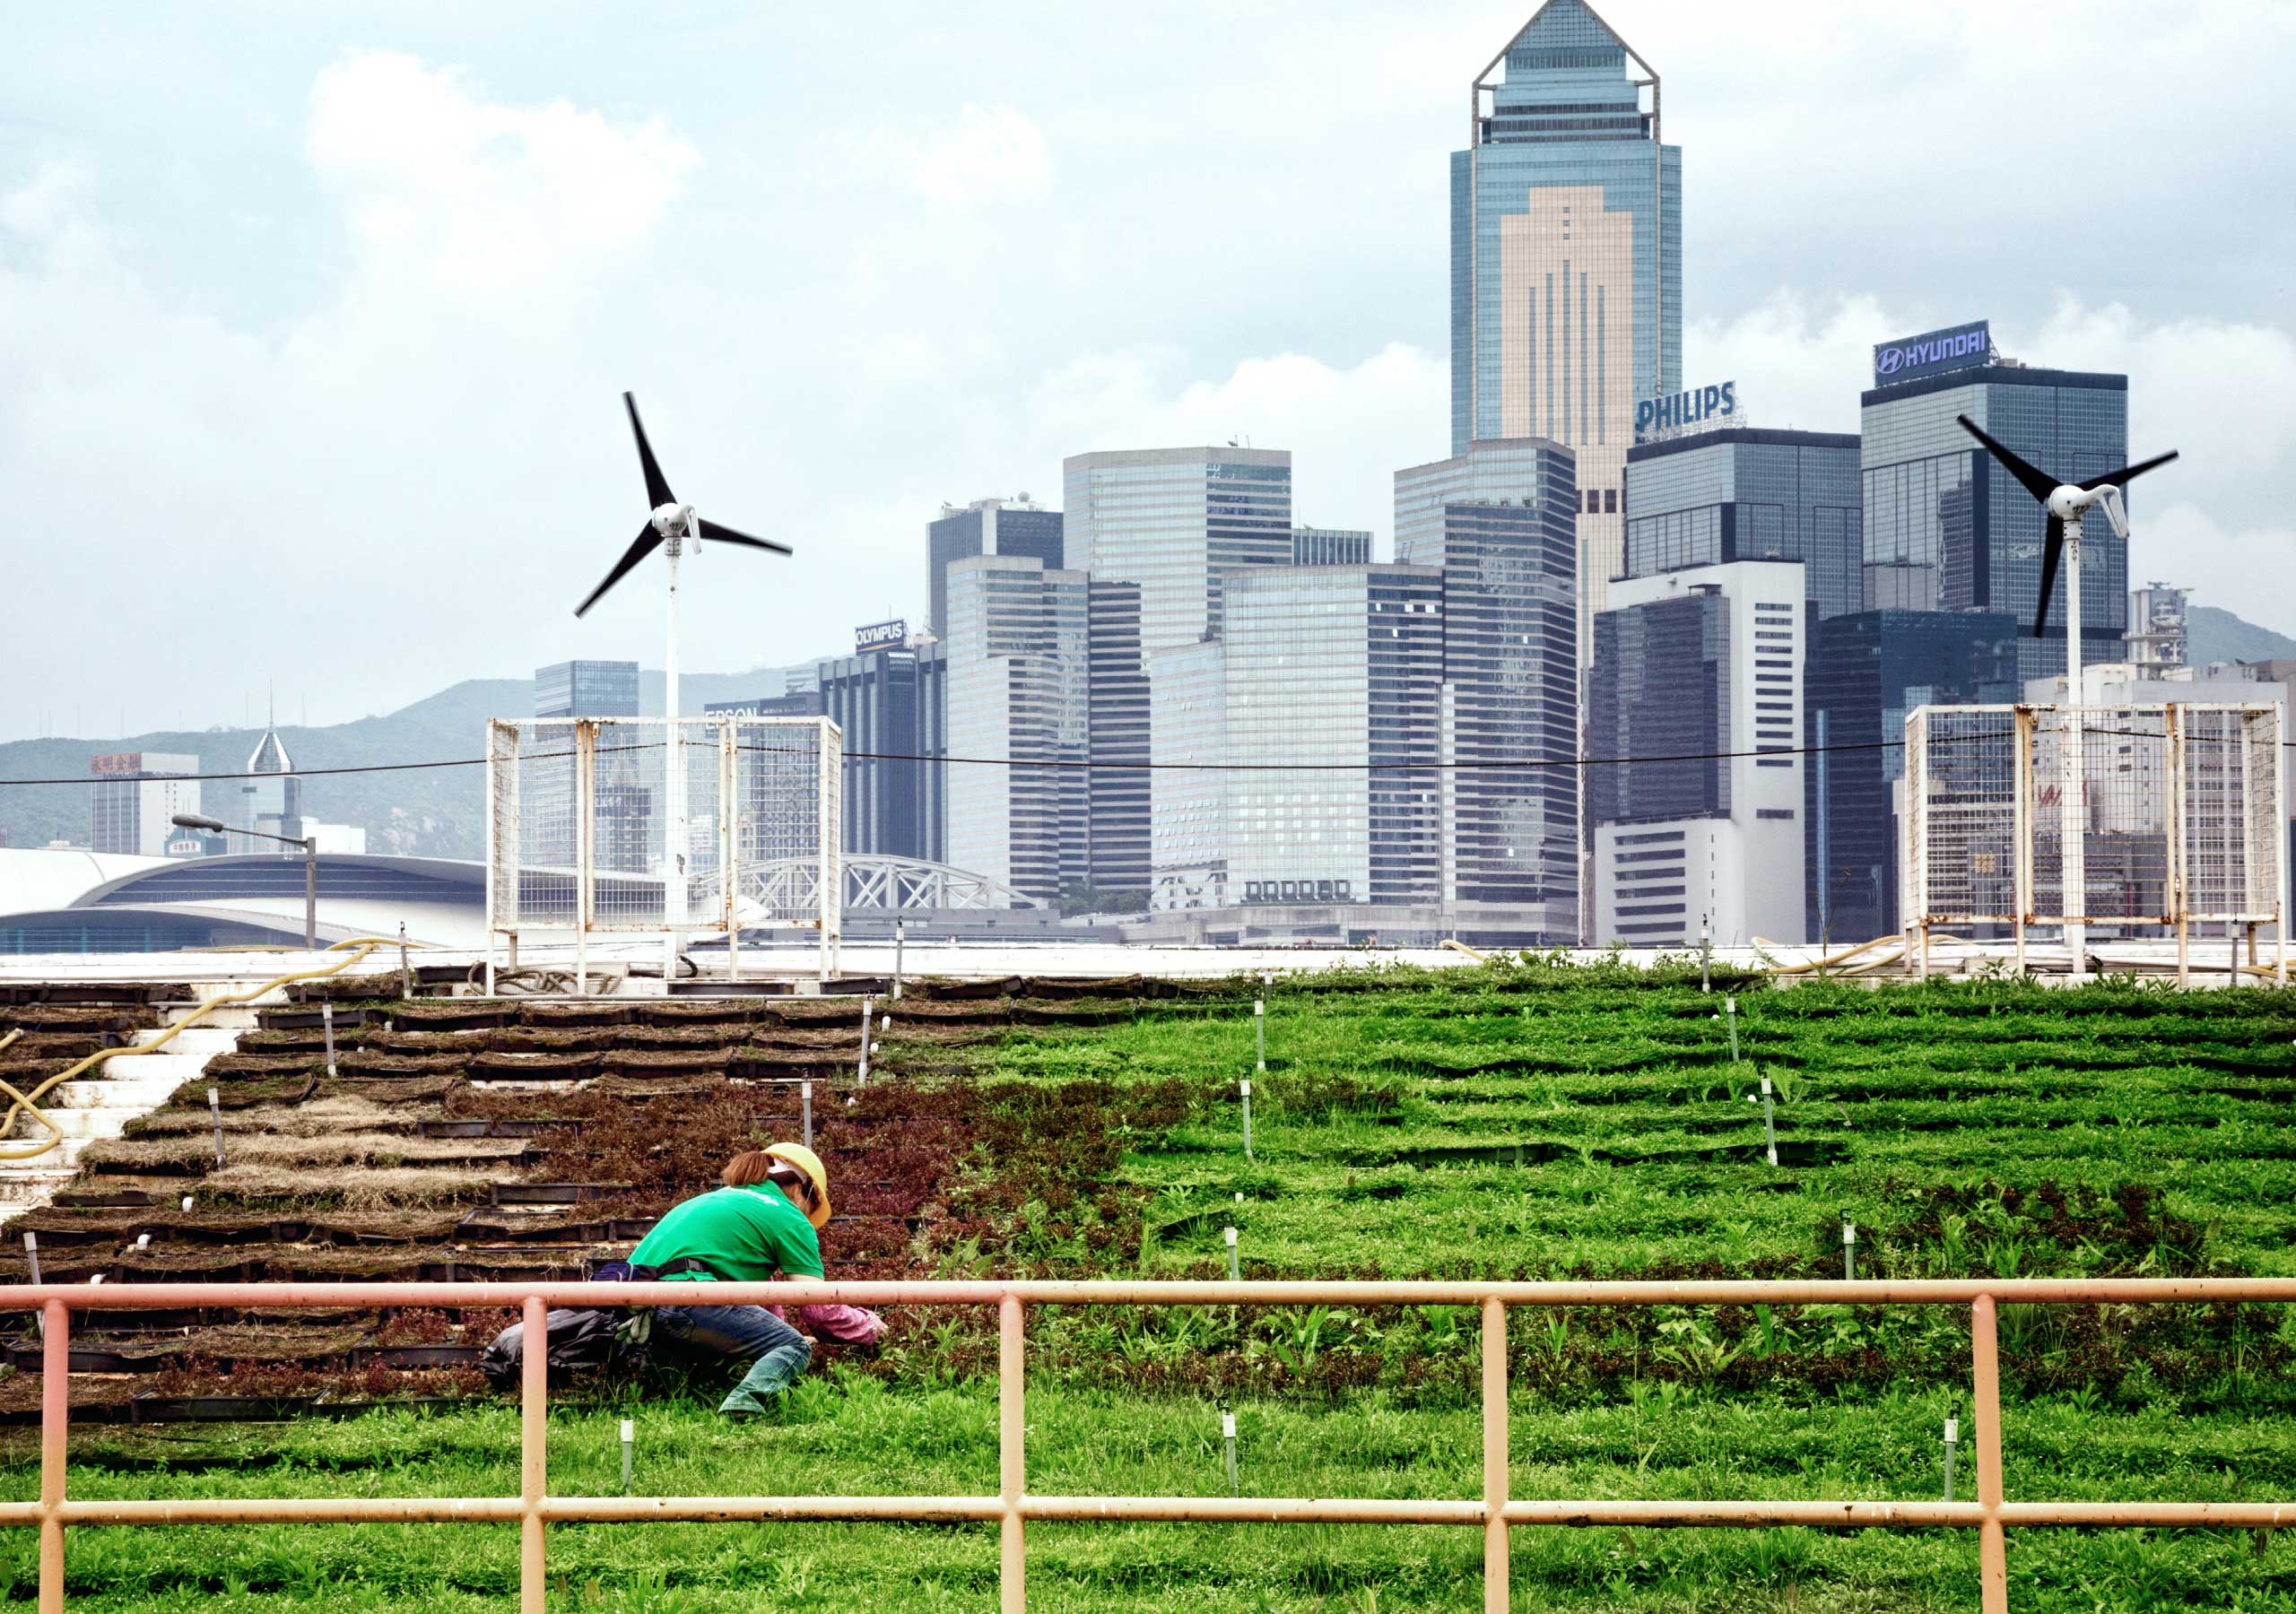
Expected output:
{"points": [[313, 319]]}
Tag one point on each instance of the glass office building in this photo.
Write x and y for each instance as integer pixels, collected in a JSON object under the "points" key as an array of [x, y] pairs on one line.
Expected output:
{"points": [[1742, 493], [987, 526], [1116, 699], [1325, 665], [1018, 662], [136, 796], [888, 701], [1179, 521], [1566, 260], [1498, 524], [1702, 667], [1188, 833], [1946, 529], [1865, 673], [586, 688], [1330, 546]]}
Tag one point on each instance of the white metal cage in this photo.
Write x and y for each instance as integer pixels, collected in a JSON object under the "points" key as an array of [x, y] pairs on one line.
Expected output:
{"points": [[2181, 820], [630, 824]]}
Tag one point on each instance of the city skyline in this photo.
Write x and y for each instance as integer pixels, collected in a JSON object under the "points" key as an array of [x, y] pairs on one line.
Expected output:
{"points": [[286, 340]]}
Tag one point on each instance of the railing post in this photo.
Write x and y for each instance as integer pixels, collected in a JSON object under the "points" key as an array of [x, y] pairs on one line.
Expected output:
{"points": [[1992, 1551], [534, 1432], [1011, 1573], [54, 1413], [1494, 1455]]}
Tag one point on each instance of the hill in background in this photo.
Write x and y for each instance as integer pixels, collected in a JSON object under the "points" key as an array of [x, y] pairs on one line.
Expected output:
{"points": [[429, 812], [2213, 635]]}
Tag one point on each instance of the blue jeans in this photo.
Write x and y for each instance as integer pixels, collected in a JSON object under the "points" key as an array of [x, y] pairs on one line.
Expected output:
{"points": [[777, 1353]]}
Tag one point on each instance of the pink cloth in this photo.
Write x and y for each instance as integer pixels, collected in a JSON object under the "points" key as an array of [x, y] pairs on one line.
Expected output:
{"points": [[846, 1324]]}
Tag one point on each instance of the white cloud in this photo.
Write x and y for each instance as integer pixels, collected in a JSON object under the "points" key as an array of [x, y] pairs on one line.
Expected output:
{"points": [[475, 196], [2216, 521], [1349, 430], [988, 154]]}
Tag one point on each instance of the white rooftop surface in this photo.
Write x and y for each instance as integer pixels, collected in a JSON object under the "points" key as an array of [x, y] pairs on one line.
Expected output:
{"points": [[35, 878], [798, 962]]}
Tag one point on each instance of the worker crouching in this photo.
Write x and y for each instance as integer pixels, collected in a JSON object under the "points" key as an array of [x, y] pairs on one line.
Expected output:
{"points": [[761, 1225]]}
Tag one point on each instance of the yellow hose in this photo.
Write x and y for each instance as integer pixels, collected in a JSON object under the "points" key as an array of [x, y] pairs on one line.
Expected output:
{"points": [[1828, 963], [29, 1103]]}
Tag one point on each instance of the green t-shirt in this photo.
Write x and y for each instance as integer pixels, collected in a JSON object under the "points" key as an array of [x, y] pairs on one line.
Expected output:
{"points": [[744, 1234]]}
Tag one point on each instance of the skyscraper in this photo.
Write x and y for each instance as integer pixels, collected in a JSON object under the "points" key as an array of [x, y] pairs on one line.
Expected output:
{"points": [[1865, 673], [987, 526], [1338, 670], [884, 700], [1566, 262], [139, 791], [1946, 529], [1497, 523], [1117, 701], [271, 799], [1018, 651], [1179, 521], [1330, 546], [1703, 667], [1743, 493], [586, 688]]}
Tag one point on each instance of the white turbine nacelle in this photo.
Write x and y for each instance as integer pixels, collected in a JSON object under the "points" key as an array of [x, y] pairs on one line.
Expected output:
{"points": [[2068, 504], [672, 519]]}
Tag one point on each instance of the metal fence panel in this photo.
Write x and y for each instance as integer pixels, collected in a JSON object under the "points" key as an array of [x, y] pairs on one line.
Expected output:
{"points": [[2180, 816], [581, 812]]}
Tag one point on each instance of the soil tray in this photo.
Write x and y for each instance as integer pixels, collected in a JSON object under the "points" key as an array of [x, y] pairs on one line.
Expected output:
{"points": [[348, 1021], [416, 1356], [529, 1128], [557, 1194], [540, 1233]]}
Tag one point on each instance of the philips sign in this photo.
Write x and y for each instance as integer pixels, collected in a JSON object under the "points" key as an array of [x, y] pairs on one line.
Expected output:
{"points": [[1957, 347], [1658, 417]]}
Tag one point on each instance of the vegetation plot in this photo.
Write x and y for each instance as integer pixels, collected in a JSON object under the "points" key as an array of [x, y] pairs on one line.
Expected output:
{"points": [[1527, 1121]]}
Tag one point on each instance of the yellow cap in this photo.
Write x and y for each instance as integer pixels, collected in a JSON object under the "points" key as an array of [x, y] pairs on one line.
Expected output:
{"points": [[806, 1160]]}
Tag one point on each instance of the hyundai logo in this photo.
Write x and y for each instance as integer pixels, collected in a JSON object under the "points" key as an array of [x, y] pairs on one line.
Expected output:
{"points": [[1887, 365]]}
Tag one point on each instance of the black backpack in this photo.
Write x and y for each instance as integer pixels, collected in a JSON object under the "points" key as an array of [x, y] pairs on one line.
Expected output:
{"points": [[574, 1342]]}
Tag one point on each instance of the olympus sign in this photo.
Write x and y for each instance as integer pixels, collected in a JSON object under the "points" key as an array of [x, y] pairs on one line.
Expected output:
{"points": [[1956, 347]]}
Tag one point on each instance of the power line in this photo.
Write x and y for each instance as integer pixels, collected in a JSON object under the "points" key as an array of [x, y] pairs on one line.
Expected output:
{"points": [[851, 755]]}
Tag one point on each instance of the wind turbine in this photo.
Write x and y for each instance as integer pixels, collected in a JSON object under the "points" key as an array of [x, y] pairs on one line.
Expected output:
{"points": [[667, 526], [2066, 504]]}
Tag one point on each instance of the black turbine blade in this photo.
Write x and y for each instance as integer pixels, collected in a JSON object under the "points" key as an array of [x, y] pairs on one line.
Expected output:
{"points": [[2031, 477], [646, 540], [2052, 546], [657, 486], [726, 535], [2117, 477]]}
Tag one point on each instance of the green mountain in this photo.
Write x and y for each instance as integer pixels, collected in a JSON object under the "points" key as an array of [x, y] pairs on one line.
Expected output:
{"points": [[427, 811], [2213, 635]]}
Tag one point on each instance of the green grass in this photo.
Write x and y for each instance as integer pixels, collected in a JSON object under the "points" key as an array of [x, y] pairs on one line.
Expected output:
{"points": [[1968, 1129], [856, 1436]]}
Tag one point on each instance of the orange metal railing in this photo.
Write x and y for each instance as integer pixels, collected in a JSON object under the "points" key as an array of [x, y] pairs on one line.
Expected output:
{"points": [[1497, 1511]]}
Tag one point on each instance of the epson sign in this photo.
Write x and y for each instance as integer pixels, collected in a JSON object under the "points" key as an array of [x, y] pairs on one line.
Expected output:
{"points": [[1957, 347], [1675, 411]]}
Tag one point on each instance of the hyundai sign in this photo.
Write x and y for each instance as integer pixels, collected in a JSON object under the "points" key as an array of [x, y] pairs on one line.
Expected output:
{"points": [[1701, 405], [1956, 347]]}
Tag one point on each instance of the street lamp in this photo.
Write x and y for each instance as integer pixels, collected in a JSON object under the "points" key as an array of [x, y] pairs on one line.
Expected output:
{"points": [[310, 846]]}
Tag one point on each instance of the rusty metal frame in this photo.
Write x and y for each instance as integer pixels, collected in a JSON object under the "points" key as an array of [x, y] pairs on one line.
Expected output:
{"points": [[1496, 1512]]}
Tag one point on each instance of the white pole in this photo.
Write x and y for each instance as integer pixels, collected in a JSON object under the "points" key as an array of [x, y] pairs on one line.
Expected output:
{"points": [[674, 835], [2073, 858]]}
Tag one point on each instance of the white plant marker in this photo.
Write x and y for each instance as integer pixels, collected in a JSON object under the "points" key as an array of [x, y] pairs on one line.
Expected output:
{"points": [[1953, 1441], [327, 1020], [1768, 1120], [628, 1446], [1849, 1250], [1228, 1439], [1234, 1271], [1248, 1117]]}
